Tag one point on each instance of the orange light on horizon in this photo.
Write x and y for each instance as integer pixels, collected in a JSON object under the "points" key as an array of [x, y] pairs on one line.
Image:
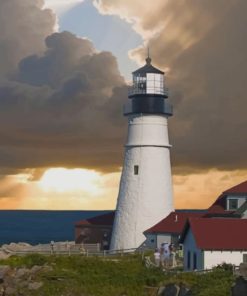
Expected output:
{"points": [[62, 180]]}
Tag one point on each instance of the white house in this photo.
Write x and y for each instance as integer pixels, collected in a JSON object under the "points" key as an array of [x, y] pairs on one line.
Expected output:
{"points": [[232, 203], [211, 241]]}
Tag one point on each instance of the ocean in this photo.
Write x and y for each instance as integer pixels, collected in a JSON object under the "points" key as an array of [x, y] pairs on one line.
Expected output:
{"points": [[36, 227]]}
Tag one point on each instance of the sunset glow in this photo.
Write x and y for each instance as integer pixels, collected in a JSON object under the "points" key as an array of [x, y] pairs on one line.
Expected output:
{"points": [[62, 180]]}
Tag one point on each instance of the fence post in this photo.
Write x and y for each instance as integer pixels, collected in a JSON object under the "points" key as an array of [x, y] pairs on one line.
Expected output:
{"points": [[142, 254]]}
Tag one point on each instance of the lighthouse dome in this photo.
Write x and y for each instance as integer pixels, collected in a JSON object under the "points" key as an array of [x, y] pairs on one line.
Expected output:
{"points": [[148, 80]]}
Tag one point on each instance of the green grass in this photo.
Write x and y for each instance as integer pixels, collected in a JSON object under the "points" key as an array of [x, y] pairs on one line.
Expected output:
{"points": [[78, 275]]}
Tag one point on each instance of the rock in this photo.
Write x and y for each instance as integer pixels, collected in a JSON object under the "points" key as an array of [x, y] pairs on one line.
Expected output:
{"points": [[10, 291], [3, 255], [161, 290], [170, 290], [2, 291], [183, 291], [240, 287], [35, 285], [35, 269], [243, 270], [4, 271], [21, 272]]}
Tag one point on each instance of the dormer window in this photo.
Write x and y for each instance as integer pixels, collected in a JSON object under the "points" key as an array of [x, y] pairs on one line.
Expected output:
{"points": [[232, 204]]}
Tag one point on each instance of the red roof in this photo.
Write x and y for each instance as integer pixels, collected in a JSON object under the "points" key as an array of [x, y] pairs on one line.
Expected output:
{"points": [[240, 188], [105, 219], [218, 234], [173, 223], [219, 206]]}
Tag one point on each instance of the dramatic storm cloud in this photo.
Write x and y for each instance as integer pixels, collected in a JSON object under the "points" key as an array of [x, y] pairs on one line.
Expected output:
{"points": [[62, 106], [61, 100], [203, 45], [24, 26]]}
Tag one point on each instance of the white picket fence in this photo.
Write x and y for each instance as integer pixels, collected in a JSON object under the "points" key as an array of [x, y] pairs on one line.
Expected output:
{"points": [[64, 248]]}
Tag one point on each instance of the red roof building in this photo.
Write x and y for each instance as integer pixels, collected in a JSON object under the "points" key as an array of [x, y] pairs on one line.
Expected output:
{"points": [[95, 230], [208, 242], [240, 188], [232, 203], [218, 234], [230, 200], [173, 223], [169, 229]]}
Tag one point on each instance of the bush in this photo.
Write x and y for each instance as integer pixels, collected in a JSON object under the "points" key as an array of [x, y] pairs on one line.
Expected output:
{"points": [[224, 266], [28, 260]]}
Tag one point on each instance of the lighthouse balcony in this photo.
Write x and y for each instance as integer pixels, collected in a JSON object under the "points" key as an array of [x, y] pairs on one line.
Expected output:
{"points": [[149, 106]]}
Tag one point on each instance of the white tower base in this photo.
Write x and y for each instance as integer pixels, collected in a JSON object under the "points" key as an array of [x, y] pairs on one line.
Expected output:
{"points": [[145, 194]]}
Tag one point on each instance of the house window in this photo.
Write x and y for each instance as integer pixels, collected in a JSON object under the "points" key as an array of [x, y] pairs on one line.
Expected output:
{"points": [[188, 260], [136, 169], [244, 258], [233, 204], [194, 261]]}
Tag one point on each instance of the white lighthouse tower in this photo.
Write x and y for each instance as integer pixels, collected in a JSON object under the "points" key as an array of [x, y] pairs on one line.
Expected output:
{"points": [[145, 193]]}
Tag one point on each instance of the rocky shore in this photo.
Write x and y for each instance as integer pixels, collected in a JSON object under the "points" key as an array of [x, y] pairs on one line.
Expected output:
{"points": [[16, 281]]}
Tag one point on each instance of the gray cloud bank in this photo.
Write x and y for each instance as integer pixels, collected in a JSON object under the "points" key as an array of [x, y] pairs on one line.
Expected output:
{"points": [[204, 45], [61, 100], [60, 105]]}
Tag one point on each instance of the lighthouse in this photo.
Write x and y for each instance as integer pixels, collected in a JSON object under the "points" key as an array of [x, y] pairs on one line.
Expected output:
{"points": [[145, 193]]}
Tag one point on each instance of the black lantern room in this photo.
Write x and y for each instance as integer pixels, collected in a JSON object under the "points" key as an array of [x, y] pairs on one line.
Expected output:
{"points": [[148, 92]]}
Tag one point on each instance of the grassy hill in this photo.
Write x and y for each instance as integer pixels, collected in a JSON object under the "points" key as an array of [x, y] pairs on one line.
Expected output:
{"points": [[81, 276]]}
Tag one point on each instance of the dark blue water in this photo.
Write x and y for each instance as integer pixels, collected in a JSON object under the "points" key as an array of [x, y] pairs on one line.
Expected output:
{"points": [[36, 227]]}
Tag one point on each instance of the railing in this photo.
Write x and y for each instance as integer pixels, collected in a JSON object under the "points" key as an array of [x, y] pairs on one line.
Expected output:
{"points": [[166, 109], [151, 91]]}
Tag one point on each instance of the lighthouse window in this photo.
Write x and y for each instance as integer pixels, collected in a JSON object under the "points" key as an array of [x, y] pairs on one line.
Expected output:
{"points": [[155, 83], [136, 169]]}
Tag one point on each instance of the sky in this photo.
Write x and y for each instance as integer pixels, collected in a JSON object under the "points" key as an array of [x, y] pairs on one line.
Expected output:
{"points": [[64, 71]]}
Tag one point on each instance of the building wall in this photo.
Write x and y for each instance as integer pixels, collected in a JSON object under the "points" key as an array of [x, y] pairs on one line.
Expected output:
{"points": [[154, 241], [163, 238], [213, 258], [244, 215], [151, 241], [92, 234], [189, 247]]}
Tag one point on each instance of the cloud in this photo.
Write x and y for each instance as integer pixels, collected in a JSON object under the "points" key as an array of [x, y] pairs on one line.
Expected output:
{"points": [[63, 108], [24, 26], [61, 100], [203, 45], [61, 6]]}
